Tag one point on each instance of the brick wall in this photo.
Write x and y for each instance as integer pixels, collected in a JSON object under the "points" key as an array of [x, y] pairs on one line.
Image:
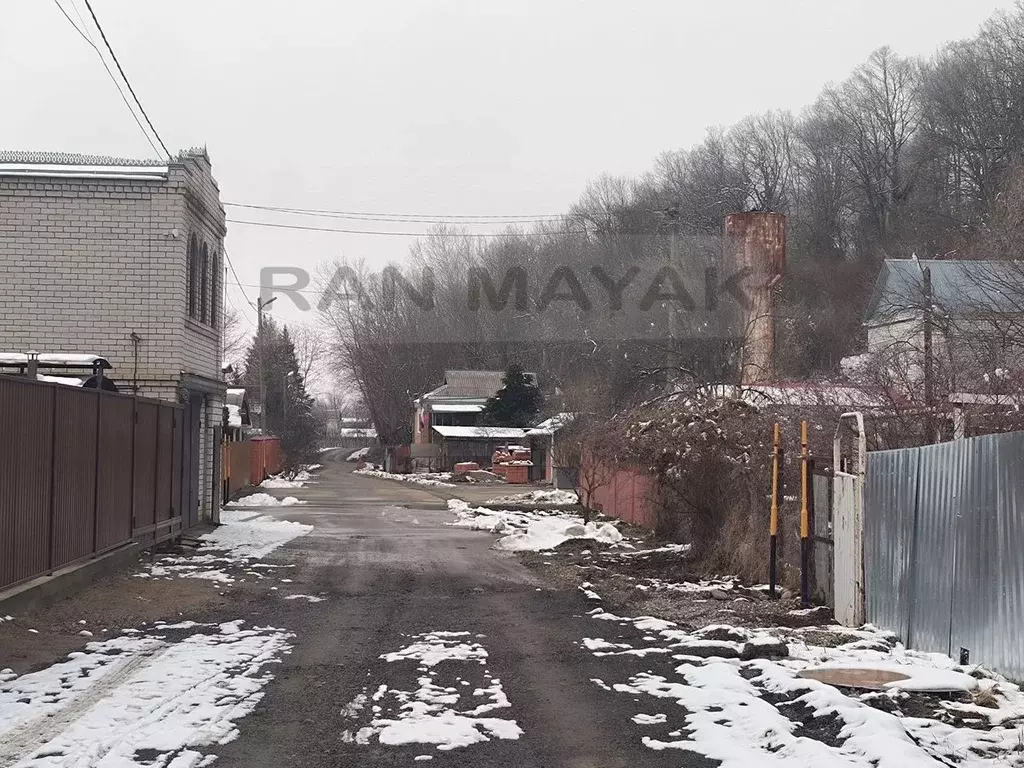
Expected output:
{"points": [[86, 261]]}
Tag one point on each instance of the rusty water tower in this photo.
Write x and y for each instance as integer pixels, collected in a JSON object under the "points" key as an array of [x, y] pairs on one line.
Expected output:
{"points": [[755, 242]]}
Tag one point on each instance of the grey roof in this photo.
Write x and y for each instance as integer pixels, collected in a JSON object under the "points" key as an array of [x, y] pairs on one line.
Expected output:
{"points": [[959, 287], [470, 384]]}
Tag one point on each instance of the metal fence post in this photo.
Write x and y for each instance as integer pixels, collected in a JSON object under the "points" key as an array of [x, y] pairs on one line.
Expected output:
{"points": [[135, 433], [53, 486], [96, 484], [773, 524]]}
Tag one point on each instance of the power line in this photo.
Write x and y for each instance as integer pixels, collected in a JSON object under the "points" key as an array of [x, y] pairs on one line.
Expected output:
{"points": [[418, 218], [113, 79], [131, 90], [273, 225], [72, 23], [238, 282]]}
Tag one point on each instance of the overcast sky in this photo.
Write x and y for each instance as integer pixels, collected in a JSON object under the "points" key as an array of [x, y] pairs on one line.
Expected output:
{"points": [[417, 106]]}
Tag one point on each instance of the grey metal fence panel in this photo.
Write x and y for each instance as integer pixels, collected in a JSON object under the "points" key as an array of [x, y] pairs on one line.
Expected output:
{"points": [[987, 572], [889, 537], [944, 532], [823, 554], [1004, 645], [941, 480]]}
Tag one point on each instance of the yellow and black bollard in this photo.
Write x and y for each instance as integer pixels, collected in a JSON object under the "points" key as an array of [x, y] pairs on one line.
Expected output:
{"points": [[773, 526]]}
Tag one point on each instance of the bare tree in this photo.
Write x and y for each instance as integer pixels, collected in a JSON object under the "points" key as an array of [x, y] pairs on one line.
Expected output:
{"points": [[235, 335]]}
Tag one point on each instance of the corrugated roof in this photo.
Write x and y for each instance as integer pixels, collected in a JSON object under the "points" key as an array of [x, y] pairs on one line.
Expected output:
{"points": [[470, 384], [482, 433], [959, 287]]}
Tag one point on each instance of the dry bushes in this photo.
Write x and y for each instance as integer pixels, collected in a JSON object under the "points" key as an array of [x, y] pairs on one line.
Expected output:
{"points": [[713, 461]]}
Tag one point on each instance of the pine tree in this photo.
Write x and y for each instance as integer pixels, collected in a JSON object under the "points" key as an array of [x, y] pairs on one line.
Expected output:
{"points": [[288, 410], [516, 404]]}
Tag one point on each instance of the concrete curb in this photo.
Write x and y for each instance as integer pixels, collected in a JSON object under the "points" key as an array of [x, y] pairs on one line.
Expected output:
{"points": [[63, 583]]}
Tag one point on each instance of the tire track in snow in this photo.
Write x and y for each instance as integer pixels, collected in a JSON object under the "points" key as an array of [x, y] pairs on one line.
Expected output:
{"points": [[20, 741]]}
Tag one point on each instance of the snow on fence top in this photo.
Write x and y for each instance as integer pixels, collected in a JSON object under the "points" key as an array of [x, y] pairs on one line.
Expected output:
{"points": [[68, 359]]}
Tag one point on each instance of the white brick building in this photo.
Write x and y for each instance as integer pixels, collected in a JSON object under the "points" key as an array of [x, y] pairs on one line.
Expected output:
{"points": [[94, 250]]}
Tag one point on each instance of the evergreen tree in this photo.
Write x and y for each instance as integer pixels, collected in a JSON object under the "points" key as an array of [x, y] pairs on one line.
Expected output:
{"points": [[516, 404], [288, 409]]}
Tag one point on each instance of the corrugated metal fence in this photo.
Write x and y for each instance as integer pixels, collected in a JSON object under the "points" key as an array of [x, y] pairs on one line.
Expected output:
{"points": [[944, 533], [82, 472]]}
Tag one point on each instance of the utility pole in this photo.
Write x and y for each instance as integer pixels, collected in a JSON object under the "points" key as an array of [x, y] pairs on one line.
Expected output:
{"points": [[260, 306], [929, 373]]}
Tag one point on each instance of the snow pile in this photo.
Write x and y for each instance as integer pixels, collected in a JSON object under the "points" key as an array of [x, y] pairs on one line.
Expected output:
{"points": [[362, 453], [307, 598], [263, 500], [420, 478], [139, 695], [758, 712], [447, 716], [554, 498], [548, 534], [298, 480], [242, 537], [531, 531]]}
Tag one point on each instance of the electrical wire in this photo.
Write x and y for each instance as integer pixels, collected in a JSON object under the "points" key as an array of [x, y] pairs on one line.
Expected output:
{"points": [[238, 282], [120, 69], [274, 225], [113, 79], [418, 218], [72, 23]]}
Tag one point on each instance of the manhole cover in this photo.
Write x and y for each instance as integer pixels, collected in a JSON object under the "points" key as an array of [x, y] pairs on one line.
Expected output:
{"points": [[854, 677]]}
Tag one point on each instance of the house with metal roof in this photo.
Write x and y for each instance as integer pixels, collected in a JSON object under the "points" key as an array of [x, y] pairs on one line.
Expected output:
{"points": [[974, 310], [458, 402]]}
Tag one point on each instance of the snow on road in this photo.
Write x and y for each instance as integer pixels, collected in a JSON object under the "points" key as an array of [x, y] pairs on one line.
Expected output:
{"points": [[243, 537], [158, 699], [262, 500], [452, 706], [733, 695], [531, 531], [421, 478], [298, 480]]}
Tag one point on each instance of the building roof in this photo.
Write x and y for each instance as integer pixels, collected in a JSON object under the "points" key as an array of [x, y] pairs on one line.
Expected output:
{"points": [[482, 433], [235, 396], [465, 407], [471, 385], [959, 287], [468, 384], [552, 425], [73, 165]]}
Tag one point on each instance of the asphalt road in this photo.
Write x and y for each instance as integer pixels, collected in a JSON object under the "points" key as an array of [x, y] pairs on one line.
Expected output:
{"points": [[390, 569]]}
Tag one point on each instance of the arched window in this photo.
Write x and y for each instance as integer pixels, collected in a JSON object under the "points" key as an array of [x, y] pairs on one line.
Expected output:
{"points": [[193, 268], [217, 270], [204, 286]]}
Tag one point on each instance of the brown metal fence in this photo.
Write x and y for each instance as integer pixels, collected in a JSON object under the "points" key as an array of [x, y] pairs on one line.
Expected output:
{"points": [[82, 472]]}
